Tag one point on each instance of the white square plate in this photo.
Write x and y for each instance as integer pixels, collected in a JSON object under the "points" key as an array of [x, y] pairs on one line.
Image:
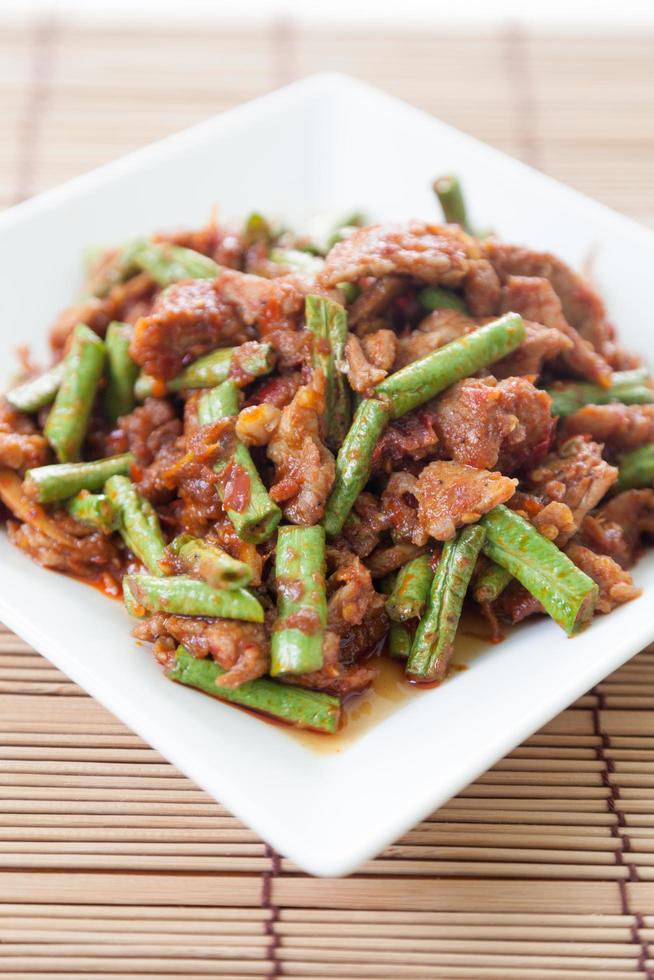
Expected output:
{"points": [[327, 142]]}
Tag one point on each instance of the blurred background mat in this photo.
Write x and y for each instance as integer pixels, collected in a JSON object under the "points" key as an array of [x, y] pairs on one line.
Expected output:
{"points": [[112, 863]]}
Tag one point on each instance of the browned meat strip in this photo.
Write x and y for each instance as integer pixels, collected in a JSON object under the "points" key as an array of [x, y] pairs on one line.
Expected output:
{"points": [[352, 596], [385, 560], [555, 521], [362, 530], [361, 374], [542, 344], [516, 604], [482, 289], [429, 253], [304, 467], [582, 307], [575, 474], [450, 495], [241, 648], [616, 529], [411, 438], [480, 422], [256, 424], [615, 584], [145, 431], [436, 330], [400, 508], [19, 452], [336, 676], [619, 427], [380, 348], [536, 299], [224, 245], [373, 301], [126, 301], [187, 320], [277, 391], [270, 304]]}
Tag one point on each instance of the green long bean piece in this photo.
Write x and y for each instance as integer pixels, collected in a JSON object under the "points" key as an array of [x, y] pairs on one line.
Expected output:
{"points": [[405, 390], [94, 510], [437, 298], [491, 583], [449, 192], [137, 522], [399, 640], [420, 381], [629, 387], [182, 596], [122, 371], [69, 416], [327, 321], [35, 394], [62, 480], [433, 644], [566, 593], [252, 360], [635, 469], [256, 516], [168, 263], [353, 461], [296, 706], [409, 595], [208, 560], [297, 640]]}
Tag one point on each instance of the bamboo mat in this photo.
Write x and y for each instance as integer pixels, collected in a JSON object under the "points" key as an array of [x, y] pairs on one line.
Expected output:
{"points": [[112, 864]]}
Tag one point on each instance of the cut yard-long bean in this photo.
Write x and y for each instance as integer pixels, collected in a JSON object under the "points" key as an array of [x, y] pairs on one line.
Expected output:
{"points": [[208, 560], [168, 263], [297, 642], [409, 595], [629, 387], [182, 596], [68, 420], [399, 640], [122, 371], [35, 394], [353, 461], [436, 298], [251, 361], [246, 500], [636, 469], [293, 705], [327, 321], [433, 644], [62, 480], [416, 383], [564, 591], [491, 583], [405, 390], [137, 522], [450, 194], [94, 510]]}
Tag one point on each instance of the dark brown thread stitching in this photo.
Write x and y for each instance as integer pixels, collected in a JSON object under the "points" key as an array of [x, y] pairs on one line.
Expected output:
{"points": [[268, 903], [45, 33]]}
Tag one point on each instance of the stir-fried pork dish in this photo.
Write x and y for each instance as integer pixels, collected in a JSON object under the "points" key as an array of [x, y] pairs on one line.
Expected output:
{"points": [[289, 452]]}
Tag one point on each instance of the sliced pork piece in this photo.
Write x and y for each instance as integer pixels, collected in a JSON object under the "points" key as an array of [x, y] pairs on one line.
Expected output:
{"points": [[373, 301], [361, 374], [127, 301], [616, 528], [437, 329], [619, 427], [241, 648], [20, 452], [145, 431], [480, 421], [615, 584], [269, 304], [542, 344], [187, 320], [555, 521], [450, 495], [482, 289], [581, 305], [574, 474], [427, 252], [407, 440], [336, 676], [304, 467], [516, 604], [380, 347], [535, 299], [363, 528]]}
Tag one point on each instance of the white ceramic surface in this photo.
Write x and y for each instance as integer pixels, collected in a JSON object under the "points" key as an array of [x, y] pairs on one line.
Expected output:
{"points": [[327, 142]]}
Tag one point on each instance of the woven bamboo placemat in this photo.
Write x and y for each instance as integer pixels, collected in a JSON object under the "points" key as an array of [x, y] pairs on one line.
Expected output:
{"points": [[112, 863]]}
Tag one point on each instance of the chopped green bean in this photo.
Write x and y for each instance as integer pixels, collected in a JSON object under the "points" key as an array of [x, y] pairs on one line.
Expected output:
{"points": [[297, 641], [69, 416], [183, 596]]}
